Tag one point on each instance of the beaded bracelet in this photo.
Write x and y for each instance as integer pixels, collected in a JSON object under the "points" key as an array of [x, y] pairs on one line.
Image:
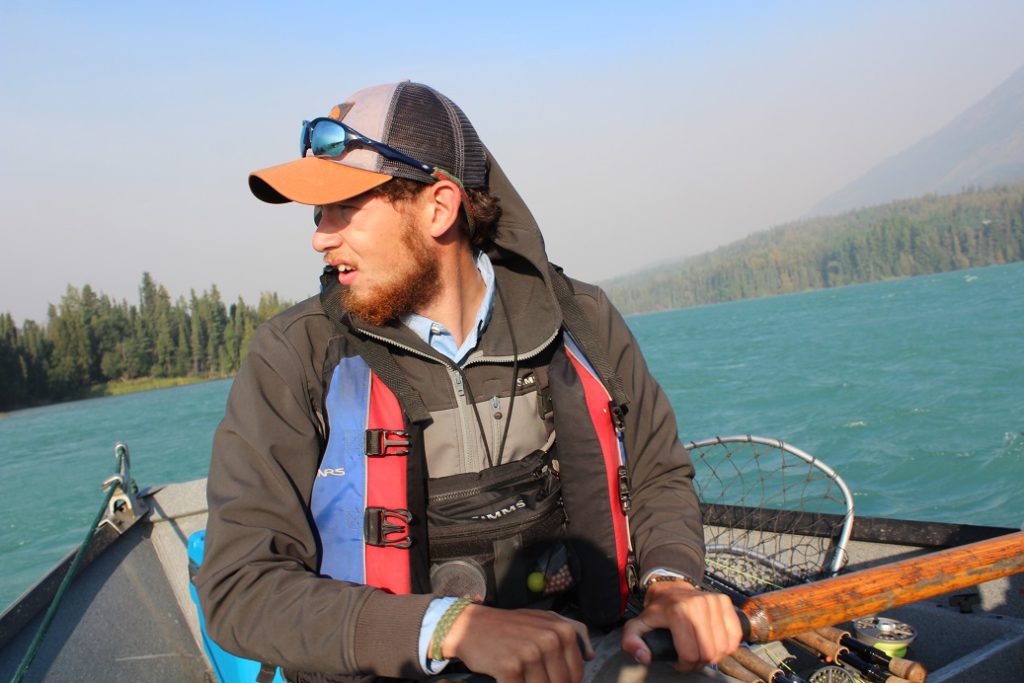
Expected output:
{"points": [[444, 625], [670, 577]]}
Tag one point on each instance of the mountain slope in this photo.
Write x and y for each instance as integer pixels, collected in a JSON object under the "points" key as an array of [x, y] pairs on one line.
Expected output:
{"points": [[929, 234], [981, 147]]}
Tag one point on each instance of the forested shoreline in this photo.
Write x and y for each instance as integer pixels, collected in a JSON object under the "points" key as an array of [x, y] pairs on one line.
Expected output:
{"points": [[90, 339], [929, 234]]}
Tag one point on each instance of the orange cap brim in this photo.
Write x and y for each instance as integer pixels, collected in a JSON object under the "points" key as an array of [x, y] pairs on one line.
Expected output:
{"points": [[312, 180]]}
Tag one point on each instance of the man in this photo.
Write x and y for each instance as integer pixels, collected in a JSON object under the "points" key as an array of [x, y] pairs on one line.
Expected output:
{"points": [[368, 473]]}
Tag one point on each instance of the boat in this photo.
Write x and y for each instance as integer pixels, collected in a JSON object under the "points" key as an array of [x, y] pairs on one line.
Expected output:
{"points": [[129, 615]]}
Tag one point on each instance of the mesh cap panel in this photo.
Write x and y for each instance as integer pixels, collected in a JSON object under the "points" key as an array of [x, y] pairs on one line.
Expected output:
{"points": [[429, 127]]}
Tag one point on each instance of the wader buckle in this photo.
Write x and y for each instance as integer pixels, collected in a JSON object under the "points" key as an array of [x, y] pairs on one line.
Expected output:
{"points": [[378, 441], [381, 524]]}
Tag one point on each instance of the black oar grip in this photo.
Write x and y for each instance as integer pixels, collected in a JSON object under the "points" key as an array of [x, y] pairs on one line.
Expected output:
{"points": [[659, 641]]}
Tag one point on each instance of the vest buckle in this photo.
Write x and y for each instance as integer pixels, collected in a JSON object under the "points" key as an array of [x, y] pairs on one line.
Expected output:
{"points": [[624, 499], [382, 524], [381, 442], [618, 416]]}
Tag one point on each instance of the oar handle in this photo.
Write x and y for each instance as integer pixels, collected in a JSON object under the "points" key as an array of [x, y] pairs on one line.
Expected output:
{"points": [[786, 612]]}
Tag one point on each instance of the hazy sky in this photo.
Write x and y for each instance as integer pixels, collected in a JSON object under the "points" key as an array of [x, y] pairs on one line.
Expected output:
{"points": [[636, 131]]}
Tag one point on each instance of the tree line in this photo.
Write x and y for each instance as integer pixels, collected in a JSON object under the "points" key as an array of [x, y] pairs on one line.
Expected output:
{"points": [[91, 339], [929, 234]]}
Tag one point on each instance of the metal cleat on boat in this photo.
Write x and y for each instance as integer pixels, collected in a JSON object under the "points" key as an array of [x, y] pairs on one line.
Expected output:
{"points": [[125, 507]]}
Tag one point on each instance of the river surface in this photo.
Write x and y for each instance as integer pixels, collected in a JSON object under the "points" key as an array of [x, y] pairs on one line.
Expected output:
{"points": [[913, 390]]}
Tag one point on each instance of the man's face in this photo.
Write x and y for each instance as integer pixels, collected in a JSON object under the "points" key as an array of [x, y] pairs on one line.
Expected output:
{"points": [[386, 262]]}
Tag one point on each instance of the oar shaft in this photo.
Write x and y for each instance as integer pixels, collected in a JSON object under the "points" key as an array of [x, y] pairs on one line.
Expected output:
{"points": [[802, 608]]}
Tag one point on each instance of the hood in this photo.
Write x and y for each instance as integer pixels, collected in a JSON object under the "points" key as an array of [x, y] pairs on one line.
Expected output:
{"points": [[522, 272], [517, 232]]}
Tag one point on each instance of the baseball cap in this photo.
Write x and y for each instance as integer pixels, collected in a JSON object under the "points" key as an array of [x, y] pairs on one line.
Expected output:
{"points": [[410, 117]]}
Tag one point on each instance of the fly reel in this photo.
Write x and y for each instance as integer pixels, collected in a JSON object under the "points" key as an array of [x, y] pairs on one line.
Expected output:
{"points": [[832, 674], [888, 635]]}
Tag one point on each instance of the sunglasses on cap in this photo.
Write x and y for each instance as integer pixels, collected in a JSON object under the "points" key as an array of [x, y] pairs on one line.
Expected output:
{"points": [[327, 137]]}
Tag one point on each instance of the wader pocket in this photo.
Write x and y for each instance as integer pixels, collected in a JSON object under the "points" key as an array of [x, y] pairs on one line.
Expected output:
{"points": [[490, 530]]}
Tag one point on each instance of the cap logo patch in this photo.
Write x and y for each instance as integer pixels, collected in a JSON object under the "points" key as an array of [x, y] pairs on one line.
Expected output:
{"points": [[340, 110]]}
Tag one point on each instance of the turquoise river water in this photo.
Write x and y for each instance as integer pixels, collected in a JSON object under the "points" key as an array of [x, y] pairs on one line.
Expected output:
{"points": [[913, 390]]}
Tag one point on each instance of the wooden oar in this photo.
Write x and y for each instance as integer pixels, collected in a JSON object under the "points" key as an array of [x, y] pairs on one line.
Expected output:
{"points": [[791, 611]]}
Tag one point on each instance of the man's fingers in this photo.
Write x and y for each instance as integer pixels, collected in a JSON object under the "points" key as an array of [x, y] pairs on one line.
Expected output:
{"points": [[704, 627], [535, 666], [632, 641], [558, 653], [581, 638], [688, 649], [572, 653], [723, 632], [733, 626], [519, 646]]}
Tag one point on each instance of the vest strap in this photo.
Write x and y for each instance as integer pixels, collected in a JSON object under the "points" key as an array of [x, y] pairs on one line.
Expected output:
{"points": [[579, 325]]}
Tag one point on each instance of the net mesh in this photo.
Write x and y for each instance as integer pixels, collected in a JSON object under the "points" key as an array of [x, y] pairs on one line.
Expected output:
{"points": [[773, 515]]}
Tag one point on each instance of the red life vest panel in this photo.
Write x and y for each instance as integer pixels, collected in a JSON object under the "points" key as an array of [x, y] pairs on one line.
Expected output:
{"points": [[359, 498]]}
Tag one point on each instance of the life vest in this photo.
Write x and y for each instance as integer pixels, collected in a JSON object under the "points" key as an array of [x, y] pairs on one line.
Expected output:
{"points": [[367, 497]]}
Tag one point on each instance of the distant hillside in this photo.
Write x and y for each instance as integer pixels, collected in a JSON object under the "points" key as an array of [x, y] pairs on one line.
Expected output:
{"points": [[928, 234], [981, 147]]}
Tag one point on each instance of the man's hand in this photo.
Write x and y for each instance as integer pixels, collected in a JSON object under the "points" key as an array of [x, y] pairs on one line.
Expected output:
{"points": [[513, 646], [704, 626]]}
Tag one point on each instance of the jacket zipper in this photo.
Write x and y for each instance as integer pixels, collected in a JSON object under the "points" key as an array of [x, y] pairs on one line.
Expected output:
{"points": [[464, 403]]}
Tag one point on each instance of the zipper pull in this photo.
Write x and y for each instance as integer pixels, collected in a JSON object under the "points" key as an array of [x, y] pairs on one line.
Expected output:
{"points": [[458, 384], [496, 407]]}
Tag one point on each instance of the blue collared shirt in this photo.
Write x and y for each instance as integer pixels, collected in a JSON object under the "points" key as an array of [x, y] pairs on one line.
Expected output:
{"points": [[439, 337]]}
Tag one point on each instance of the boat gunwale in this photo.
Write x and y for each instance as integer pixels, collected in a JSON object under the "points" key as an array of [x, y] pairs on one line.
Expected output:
{"points": [[881, 530]]}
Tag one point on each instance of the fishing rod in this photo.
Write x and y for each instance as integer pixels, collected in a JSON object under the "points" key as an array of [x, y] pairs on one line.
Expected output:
{"points": [[743, 664], [866, 665], [905, 668]]}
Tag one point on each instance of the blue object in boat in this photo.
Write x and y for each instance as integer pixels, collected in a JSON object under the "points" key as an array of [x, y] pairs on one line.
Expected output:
{"points": [[228, 668]]}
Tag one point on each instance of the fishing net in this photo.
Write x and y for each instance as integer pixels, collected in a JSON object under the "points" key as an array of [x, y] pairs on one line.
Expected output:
{"points": [[774, 516]]}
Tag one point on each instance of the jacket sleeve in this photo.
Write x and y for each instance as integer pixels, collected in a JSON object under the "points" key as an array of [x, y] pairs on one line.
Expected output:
{"points": [[665, 519], [258, 585]]}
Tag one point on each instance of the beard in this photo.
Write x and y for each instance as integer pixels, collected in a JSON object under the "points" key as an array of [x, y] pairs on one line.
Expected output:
{"points": [[415, 286]]}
